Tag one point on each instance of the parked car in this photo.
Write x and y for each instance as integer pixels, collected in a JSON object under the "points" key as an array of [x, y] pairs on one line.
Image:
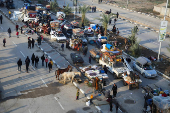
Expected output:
{"points": [[143, 66], [10, 5], [76, 58], [27, 1], [26, 4], [59, 36]]}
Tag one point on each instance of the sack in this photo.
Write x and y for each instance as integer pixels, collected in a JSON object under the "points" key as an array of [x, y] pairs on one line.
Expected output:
{"points": [[88, 103]]}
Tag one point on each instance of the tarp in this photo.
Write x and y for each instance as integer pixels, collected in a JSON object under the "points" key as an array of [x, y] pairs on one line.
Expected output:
{"points": [[143, 60], [162, 102]]}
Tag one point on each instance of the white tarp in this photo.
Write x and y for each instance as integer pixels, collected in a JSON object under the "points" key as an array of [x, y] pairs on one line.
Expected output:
{"points": [[162, 102], [16, 15]]}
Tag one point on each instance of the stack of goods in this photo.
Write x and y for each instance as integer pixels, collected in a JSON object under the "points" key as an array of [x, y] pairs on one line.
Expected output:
{"points": [[74, 23], [163, 103]]}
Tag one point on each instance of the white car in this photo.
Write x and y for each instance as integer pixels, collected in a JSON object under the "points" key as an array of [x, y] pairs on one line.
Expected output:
{"points": [[143, 66], [26, 4], [60, 37]]}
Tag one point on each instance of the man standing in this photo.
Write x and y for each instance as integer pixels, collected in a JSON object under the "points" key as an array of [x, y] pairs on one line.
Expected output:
{"points": [[105, 69], [90, 59], [49, 66], [4, 41], [46, 61], [1, 18], [62, 46], [33, 58], [33, 41], [29, 43], [114, 88], [9, 32], [42, 58], [36, 61], [110, 21], [27, 62], [19, 64], [17, 26], [110, 103], [117, 14]]}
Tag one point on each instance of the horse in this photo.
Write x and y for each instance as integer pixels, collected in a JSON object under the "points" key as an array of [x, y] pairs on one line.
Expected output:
{"points": [[60, 71], [70, 76]]}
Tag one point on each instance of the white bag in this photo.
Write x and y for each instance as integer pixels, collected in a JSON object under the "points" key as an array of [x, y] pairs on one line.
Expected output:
{"points": [[88, 103]]}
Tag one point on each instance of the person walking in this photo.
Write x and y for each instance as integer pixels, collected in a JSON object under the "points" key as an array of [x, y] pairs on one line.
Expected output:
{"points": [[105, 69], [46, 61], [77, 94], [118, 32], [33, 59], [33, 41], [9, 32], [27, 62], [19, 64], [90, 59], [51, 63], [62, 46], [36, 61], [4, 41], [117, 14], [16, 26], [117, 107], [29, 43], [42, 58], [49, 66], [21, 30], [114, 88], [110, 103], [9, 12], [110, 21], [1, 17], [115, 21], [17, 33]]}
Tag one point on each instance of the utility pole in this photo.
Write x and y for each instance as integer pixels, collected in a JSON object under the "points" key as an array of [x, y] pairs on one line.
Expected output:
{"points": [[159, 30], [127, 4]]}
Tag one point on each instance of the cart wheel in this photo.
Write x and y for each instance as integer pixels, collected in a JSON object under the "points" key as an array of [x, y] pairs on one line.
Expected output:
{"points": [[129, 86]]}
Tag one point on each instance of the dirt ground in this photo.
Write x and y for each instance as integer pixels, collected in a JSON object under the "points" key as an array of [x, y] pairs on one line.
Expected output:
{"points": [[145, 6]]}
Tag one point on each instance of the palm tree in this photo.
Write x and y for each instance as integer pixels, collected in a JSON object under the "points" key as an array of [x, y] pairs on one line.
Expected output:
{"points": [[133, 38], [54, 6], [105, 20], [83, 10], [67, 10]]}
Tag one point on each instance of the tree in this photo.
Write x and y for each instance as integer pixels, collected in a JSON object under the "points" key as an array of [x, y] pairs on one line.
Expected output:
{"points": [[67, 10], [133, 38], [54, 6], [105, 20], [135, 48], [83, 10]]}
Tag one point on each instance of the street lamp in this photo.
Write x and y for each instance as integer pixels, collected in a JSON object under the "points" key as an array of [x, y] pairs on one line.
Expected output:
{"points": [[159, 30]]}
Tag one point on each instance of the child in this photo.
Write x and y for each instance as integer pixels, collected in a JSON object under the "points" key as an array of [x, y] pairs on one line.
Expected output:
{"points": [[77, 95], [17, 33]]}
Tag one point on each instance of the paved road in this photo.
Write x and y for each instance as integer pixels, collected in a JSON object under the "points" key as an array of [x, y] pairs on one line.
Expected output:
{"points": [[36, 91]]}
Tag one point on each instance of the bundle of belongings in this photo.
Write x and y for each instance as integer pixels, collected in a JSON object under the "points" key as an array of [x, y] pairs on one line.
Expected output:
{"points": [[131, 77], [94, 71]]}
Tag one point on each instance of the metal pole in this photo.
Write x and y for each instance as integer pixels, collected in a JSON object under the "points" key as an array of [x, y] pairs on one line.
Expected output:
{"points": [[74, 12], [127, 3], [164, 19]]}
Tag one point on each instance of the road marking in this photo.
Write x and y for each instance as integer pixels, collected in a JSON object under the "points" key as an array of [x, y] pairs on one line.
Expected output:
{"points": [[44, 82], [22, 54], [59, 103], [32, 67], [14, 43], [29, 111]]}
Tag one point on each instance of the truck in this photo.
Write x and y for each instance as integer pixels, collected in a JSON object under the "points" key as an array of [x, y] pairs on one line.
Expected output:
{"points": [[112, 58], [95, 54]]}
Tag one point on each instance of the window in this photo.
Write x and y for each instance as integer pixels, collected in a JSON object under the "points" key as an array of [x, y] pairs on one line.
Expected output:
{"points": [[137, 63]]}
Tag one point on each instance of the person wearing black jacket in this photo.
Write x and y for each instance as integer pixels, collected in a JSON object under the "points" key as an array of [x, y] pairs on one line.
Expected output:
{"points": [[1, 18], [42, 58], [9, 32], [27, 62], [33, 41], [19, 64], [105, 69], [33, 59], [36, 61], [114, 88], [29, 43], [49, 66]]}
